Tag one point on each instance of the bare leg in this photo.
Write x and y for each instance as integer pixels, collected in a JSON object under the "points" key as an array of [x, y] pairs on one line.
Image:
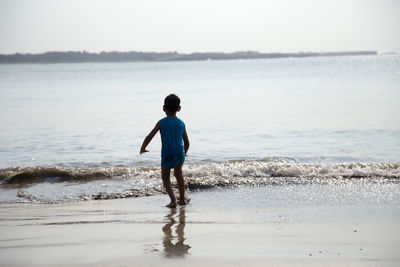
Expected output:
{"points": [[181, 184], [165, 174]]}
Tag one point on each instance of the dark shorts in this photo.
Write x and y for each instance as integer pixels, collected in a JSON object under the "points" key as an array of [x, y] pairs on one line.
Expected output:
{"points": [[171, 161]]}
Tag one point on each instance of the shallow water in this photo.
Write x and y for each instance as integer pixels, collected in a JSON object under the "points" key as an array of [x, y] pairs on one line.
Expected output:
{"points": [[342, 109], [73, 131]]}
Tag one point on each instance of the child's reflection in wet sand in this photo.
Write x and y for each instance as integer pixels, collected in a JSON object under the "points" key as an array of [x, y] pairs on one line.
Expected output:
{"points": [[174, 243]]}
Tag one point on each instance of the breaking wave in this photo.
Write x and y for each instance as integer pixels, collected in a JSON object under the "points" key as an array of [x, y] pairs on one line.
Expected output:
{"points": [[54, 184]]}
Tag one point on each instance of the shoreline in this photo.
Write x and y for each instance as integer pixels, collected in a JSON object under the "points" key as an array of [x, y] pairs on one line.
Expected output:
{"points": [[219, 228]]}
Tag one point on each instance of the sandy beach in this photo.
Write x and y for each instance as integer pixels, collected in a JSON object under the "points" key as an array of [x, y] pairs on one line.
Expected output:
{"points": [[212, 231]]}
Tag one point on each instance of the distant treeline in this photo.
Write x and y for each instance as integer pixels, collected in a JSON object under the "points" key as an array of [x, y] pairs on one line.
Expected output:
{"points": [[78, 57]]}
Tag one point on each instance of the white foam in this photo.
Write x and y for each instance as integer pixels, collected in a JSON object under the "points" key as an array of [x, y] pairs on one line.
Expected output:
{"points": [[285, 169], [134, 182]]}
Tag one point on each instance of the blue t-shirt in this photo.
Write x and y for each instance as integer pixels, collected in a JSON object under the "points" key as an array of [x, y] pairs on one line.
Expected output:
{"points": [[171, 129]]}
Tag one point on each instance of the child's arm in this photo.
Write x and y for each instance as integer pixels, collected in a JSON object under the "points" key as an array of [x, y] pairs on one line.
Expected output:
{"points": [[149, 137], [185, 141]]}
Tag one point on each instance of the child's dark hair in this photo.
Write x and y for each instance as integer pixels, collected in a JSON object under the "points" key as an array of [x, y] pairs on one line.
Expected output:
{"points": [[172, 102]]}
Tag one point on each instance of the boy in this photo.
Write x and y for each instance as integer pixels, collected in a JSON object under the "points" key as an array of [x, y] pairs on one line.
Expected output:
{"points": [[173, 150]]}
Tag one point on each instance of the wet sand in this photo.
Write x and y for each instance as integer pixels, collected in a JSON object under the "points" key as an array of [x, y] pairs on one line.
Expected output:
{"points": [[214, 230]]}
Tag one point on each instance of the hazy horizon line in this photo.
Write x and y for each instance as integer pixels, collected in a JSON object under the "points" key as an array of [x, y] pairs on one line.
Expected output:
{"points": [[198, 52], [134, 56]]}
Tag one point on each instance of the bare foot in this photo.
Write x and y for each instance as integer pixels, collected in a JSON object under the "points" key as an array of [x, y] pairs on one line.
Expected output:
{"points": [[185, 201], [182, 202], [171, 205]]}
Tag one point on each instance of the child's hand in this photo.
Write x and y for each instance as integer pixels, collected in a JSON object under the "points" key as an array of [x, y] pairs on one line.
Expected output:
{"points": [[143, 151]]}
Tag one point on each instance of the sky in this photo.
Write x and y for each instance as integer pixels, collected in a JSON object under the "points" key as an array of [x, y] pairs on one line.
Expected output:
{"points": [[185, 26]]}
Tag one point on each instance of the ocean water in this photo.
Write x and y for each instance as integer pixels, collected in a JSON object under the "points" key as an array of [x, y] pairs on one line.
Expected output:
{"points": [[73, 131]]}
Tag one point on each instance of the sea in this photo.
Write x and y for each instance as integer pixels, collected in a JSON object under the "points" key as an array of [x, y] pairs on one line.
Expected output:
{"points": [[72, 132]]}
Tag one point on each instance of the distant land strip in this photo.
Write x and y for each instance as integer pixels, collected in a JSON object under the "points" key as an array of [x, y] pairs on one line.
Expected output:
{"points": [[82, 57]]}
